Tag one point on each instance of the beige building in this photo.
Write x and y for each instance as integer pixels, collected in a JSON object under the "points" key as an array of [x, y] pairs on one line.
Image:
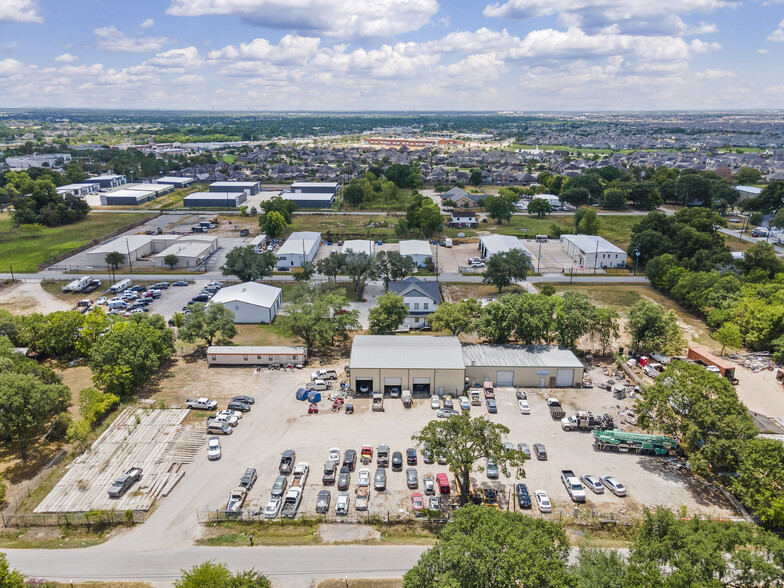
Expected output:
{"points": [[238, 355], [522, 366], [422, 364]]}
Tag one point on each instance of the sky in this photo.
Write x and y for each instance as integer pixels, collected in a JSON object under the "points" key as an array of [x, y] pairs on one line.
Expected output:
{"points": [[366, 55]]}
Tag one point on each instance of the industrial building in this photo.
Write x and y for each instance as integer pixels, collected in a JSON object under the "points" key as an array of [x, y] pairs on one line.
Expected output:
{"points": [[299, 247], [143, 250], [593, 251], [214, 199], [359, 246], [259, 243], [191, 251], [250, 302], [747, 192], [419, 251], [240, 355], [124, 197], [532, 366], [430, 364], [50, 160], [175, 181], [421, 364], [490, 245], [80, 190], [312, 194], [108, 181], [248, 188], [157, 189]]}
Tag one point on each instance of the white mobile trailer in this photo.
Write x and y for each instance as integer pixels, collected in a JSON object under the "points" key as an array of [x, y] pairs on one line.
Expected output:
{"points": [[78, 284]]}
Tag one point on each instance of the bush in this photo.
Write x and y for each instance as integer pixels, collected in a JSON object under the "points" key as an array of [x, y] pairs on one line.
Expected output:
{"points": [[59, 427]]}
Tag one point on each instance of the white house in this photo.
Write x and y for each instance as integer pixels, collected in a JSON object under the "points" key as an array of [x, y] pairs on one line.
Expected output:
{"points": [[421, 298], [300, 246], [592, 251], [359, 246], [419, 251], [250, 302]]}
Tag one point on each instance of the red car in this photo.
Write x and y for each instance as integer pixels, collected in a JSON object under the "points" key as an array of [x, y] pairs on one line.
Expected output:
{"points": [[313, 408], [443, 483], [417, 502]]}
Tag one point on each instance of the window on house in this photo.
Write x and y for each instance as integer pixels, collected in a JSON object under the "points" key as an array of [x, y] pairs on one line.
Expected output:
{"points": [[246, 357], [270, 358], [416, 320], [427, 305], [258, 357], [416, 305], [213, 358]]}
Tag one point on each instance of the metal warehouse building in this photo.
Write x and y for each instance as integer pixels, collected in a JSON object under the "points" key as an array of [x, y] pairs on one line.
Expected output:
{"points": [[531, 366], [489, 245], [108, 181], [215, 199], [125, 197], [249, 188], [419, 251], [175, 181], [301, 246], [593, 251], [238, 355], [422, 364], [250, 302]]}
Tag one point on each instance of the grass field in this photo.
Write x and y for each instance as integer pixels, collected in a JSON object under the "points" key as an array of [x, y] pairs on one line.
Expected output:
{"points": [[24, 253], [173, 199], [615, 228], [372, 226]]}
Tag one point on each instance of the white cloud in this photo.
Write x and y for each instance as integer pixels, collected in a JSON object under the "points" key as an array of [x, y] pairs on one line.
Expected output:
{"points": [[640, 16], [10, 67], [176, 60], [333, 18], [388, 61], [20, 11], [147, 24], [778, 34], [762, 51], [66, 58], [715, 74], [112, 39], [190, 79], [292, 49]]}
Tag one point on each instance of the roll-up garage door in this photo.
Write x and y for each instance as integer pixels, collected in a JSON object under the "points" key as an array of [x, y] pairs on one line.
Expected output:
{"points": [[421, 381], [504, 379], [393, 381], [420, 385], [564, 378]]}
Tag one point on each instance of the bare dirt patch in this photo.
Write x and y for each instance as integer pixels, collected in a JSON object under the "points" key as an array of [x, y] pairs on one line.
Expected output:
{"points": [[30, 297], [347, 533]]}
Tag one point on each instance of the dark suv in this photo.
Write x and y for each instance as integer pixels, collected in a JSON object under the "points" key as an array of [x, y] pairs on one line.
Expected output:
{"points": [[350, 459], [411, 456], [249, 478], [397, 462]]}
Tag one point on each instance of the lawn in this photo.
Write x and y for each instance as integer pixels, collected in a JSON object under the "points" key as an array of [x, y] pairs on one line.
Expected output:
{"points": [[173, 199], [615, 228], [24, 253], [343, 226]]}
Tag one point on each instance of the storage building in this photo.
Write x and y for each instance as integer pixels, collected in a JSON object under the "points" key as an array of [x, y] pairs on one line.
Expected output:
{"points": [[747, 192], [125, 197], [359, 246], [238, 355], [419, 251], [143, 248], [259, 243], [175, 181], [300, 246], [533, 366], [593, 251], [489, 245], [215, 199], [422, 364], [250, 302], [249, 188], [108, 181], [190, 252], [312, 194], [80, 190], [157, 189], [697, 353]]}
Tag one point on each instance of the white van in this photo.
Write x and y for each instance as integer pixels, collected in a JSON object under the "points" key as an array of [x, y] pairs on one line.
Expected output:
{"points": [[121, 285]]}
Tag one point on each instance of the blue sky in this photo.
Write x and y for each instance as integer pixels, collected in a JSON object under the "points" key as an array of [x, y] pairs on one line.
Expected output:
{"points": [[393, 54]]}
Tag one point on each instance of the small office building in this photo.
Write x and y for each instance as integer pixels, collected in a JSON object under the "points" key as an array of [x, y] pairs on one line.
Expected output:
{"points": [[490, 245], [592, 251], [214, 199], [421, 364], [253, 356], [359, 246], [175, 181], [249, 188], [107, 181], [299, 247], [419, 251], [521, 366], [80, 190], [250, 302]]}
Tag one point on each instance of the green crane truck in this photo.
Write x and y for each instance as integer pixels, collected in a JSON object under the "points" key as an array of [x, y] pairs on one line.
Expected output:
{"points": [[624, 442]]}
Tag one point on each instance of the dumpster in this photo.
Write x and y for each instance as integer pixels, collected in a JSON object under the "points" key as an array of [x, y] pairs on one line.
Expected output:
{"points": [[302, 394]]}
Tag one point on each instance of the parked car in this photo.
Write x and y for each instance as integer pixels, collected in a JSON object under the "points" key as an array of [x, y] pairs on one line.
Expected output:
{"points": [[279, 487], [523, 497], [213, 448], [397, 461], [244, 399], [322, 501], [427, 455], [125, 481], [380, 480], [543, 501], [411, 456], [429, 482], [492, 408], [524, 407], [465, 404], [273, 507], [342, 505], [249, 478], [344, 479], [442, 480], [241, 406], [161, 285], [411, 478], [445, 413], [334, 454], [521, 395], [540, 452], [508, 446], [592, 482], [101, 301], [490, 497], [491, 468], [417, 502], [435, 402], [180, 283], [434, 503], [364, 477], [350, 459], [525, 449], [229, 413], [613, 485]]}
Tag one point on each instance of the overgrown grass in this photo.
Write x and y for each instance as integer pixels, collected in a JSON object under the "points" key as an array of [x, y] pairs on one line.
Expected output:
{"points": [[173, 199], [296, 532], [65, 537], [339, 226], [24, 253]]}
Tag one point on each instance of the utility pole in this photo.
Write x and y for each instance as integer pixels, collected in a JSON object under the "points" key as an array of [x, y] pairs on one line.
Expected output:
{"points": [[539, 261], [596, 257], [636, 260], [128, 249], [13, 280]]}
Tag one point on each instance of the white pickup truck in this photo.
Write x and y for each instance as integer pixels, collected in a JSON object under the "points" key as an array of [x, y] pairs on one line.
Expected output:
{"points": [[573, 485], [291, 503], [324, 375], [300, 475], [201, 403]]}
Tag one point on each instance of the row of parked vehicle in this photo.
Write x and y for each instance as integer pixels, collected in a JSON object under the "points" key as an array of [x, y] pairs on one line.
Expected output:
{"points": [[129, 299], [223, 421], [205, 295]]}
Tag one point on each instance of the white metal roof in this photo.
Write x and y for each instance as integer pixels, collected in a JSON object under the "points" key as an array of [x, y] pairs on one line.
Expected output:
{"points": [[253, 350], [124, 244], [299, 242], [314, 185], [592, 244], [358, 246], [550, 356], [187, 248], [213, 195], [406, 352], [126, 192], [501, 244], [173, 179], [148, 187], [248, 292], [749, 189], [415, 248], [226, 184]]}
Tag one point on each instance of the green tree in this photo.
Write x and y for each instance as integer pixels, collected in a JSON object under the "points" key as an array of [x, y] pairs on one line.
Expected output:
{"points": [[475, 177], [574, 318], [10, 578], [600, 567], [702, 411], [422, 216], [498, 208], [760, 480], [248, 265], [588, 182], [770, 199], [388, 314], [539, 206], [74, 174], [331, 265], [497, 320], [273, 223], [59, 335], [359, 267], [3, 490], [308, 271], [390, 266], [654, 330], [747, 175], [281, 206], [213, 575], [171, 260], [575, 196], [488, 547], [114, 259], [319, 317], [456, 317], [208, 322], [604, 326], [466, 442], [94, 404], [586, 222], [504, 268], [729, 335], [28, 405], [778, 219], [404, 176], [762, 256], [614, 199]]}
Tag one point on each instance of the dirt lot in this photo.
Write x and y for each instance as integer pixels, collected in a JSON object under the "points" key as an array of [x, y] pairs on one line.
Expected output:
{"points": [[29, 297]]}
